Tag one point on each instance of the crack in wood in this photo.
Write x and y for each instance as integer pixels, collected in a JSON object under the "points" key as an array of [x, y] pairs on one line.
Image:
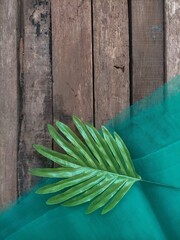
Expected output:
{"points": [[122, 68]]}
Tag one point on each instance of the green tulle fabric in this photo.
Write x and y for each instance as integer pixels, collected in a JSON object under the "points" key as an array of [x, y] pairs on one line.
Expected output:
{"points": [[151, 131]]}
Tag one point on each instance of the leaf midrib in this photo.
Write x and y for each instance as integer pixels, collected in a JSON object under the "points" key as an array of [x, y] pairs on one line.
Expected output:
{"points": [[111, 173]]}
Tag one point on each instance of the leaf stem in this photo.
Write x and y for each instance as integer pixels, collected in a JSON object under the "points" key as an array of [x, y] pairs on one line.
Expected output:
{"points": [[160, 184]]}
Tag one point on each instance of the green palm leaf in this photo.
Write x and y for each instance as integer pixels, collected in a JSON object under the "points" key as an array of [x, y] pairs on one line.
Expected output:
{"points": [[97, 169]]}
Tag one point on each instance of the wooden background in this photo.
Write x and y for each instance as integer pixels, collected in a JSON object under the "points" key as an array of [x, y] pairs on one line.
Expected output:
{"points": [[91, 58]]}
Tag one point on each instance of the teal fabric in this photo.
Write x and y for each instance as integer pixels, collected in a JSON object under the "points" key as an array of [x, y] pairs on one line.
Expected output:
{"points": [[151, 130]]}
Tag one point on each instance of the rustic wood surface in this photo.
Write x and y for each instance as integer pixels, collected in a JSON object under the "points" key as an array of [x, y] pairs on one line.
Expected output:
{"points": [[147, 47], [172, 19], [36, 88], [84, 57], [72, 60], [8, 101], [111, 58]]}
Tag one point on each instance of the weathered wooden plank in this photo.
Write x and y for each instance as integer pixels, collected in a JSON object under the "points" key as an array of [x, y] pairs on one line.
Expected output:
{"points": [[8, 101], [172, 19], [36, 86], [72, 60], [111, 58], [147, 47]]}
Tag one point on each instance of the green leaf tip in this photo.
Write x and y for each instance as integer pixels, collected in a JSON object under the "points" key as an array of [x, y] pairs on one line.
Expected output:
{"points": [[95, 168], [35, 146]]}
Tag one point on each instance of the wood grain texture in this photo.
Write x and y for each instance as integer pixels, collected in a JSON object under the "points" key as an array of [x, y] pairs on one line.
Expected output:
{"points": [[172, 18], [72, 60], [111, 58], [8, 101], [147, 47], [36, 86]]}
